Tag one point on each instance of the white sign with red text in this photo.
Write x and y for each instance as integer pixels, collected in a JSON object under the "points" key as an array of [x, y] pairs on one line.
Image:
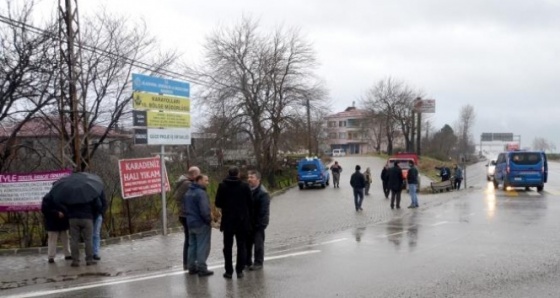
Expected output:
{"points": [[141, 176]]}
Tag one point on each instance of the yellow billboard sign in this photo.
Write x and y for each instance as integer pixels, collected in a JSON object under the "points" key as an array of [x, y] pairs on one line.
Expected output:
{"points": [[150, 101], [159, 119]]}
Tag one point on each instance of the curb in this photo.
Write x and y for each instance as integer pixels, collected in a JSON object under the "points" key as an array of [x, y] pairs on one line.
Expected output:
{"points": [[115, 240]]}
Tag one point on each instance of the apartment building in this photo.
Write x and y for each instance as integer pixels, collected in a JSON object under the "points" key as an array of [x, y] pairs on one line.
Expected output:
{"points": [[347, 130]]}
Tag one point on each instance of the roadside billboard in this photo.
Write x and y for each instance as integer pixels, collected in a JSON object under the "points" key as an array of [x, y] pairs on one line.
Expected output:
{"points": [[425, 106], [25, 192], [141, 176]]}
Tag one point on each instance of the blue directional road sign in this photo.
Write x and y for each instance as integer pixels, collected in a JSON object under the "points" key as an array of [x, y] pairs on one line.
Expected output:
{"points": [[160, 86]]}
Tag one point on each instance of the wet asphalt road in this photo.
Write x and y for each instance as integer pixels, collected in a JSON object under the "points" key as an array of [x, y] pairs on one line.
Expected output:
{"points": [[477, 242]]}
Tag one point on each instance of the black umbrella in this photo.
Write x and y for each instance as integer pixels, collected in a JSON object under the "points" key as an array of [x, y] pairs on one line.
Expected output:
{"points": [[78, 188]]}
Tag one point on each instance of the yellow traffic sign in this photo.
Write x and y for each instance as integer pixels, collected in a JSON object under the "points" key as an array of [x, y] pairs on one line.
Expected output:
{"points": [[151, 101]]}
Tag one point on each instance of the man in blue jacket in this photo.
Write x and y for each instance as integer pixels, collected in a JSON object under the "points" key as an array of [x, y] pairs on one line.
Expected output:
{"points": [[199, 218]]}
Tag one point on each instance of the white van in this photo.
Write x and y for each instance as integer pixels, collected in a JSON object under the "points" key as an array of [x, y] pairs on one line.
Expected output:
{"points": [[338, 152]]}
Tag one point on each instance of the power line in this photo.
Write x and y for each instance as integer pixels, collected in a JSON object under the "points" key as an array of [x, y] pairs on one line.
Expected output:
{"points": [[93, 49]]}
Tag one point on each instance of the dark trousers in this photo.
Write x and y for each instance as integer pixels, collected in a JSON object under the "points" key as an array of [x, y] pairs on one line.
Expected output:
{"points": [[183, 221], [81, 227], [386, 189], [396, 194], [457, 183], [240, 240], [256, 240]]}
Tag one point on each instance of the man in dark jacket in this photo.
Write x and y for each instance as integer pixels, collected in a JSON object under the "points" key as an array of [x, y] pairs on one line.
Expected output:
{"points": [[259, 220], [385, 180], [199, 219], [412, 181], [358, 183], [336, 169], [233, 197], [395, 184], [80, 217], [181, 187], [56, 225]]}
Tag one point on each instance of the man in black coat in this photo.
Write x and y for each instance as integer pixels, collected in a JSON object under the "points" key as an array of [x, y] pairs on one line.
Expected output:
{"points": [[233, 197], [385, 180], [358, 183], [395, 183], [259, 220], [56, 225]]}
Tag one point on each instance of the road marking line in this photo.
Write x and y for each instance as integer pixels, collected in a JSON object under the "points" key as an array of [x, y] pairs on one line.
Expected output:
{"points": [[311, 245], [439, 223], [146, 277]]}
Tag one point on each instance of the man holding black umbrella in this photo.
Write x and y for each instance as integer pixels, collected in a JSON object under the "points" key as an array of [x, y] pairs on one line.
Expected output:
{"points": [[79, 195]]}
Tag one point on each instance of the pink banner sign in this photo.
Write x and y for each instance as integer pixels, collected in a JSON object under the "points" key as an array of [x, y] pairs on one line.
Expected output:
{"points": [[141, 176], [24, 192]]}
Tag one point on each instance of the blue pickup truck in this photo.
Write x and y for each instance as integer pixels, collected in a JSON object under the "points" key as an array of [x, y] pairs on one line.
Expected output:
{"points": [[312, 171]]}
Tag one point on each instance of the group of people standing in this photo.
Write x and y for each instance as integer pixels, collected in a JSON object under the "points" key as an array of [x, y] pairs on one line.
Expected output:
{"points": [[69, 223], [393, 184], [456, 177], [245, 209]]}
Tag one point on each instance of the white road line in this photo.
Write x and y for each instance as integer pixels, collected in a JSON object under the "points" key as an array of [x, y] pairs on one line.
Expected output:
{"points": [[142, 278], [312, 245], [439, 223]]}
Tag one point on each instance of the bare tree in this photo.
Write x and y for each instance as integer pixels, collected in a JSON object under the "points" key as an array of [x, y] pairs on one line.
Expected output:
{"points": [[543, 144], [390, 102], [27, 72], [465, 142], [260, 82]]}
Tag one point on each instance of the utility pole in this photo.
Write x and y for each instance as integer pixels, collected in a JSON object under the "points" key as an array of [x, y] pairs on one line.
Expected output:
{"points": [[419, 132], [73, 119], [308, 126]]}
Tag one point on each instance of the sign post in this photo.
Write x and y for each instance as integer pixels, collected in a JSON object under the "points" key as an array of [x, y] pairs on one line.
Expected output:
{"points": [[161, 115]]}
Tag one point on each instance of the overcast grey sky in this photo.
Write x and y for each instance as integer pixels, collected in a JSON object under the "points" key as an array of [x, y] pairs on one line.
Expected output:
{"points": [[502, 57]]}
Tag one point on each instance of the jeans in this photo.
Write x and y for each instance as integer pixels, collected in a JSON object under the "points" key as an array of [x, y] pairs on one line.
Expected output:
{"points": [[83, 227], [97, 234], [240, 238], [256, 240], [199, 248], [367, 188], [52, 240], [183, 221], [413, 195], [358, 197]]}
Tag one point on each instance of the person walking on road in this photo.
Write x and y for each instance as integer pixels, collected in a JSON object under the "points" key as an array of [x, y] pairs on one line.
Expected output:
{"points": [[259, 221], [181, 187], [385, 180], [97, 225], [336, 169], [458, 174], [367, 175], [395, 183], [199, 220], [234, 198], [358, 183], [412, 181], [56, 225]]}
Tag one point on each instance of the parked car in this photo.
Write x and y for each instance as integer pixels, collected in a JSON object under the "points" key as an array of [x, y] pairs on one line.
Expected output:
{"points": [[490, 168], [338, 152], [403, 159], [521, 169], [312, 171]]}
